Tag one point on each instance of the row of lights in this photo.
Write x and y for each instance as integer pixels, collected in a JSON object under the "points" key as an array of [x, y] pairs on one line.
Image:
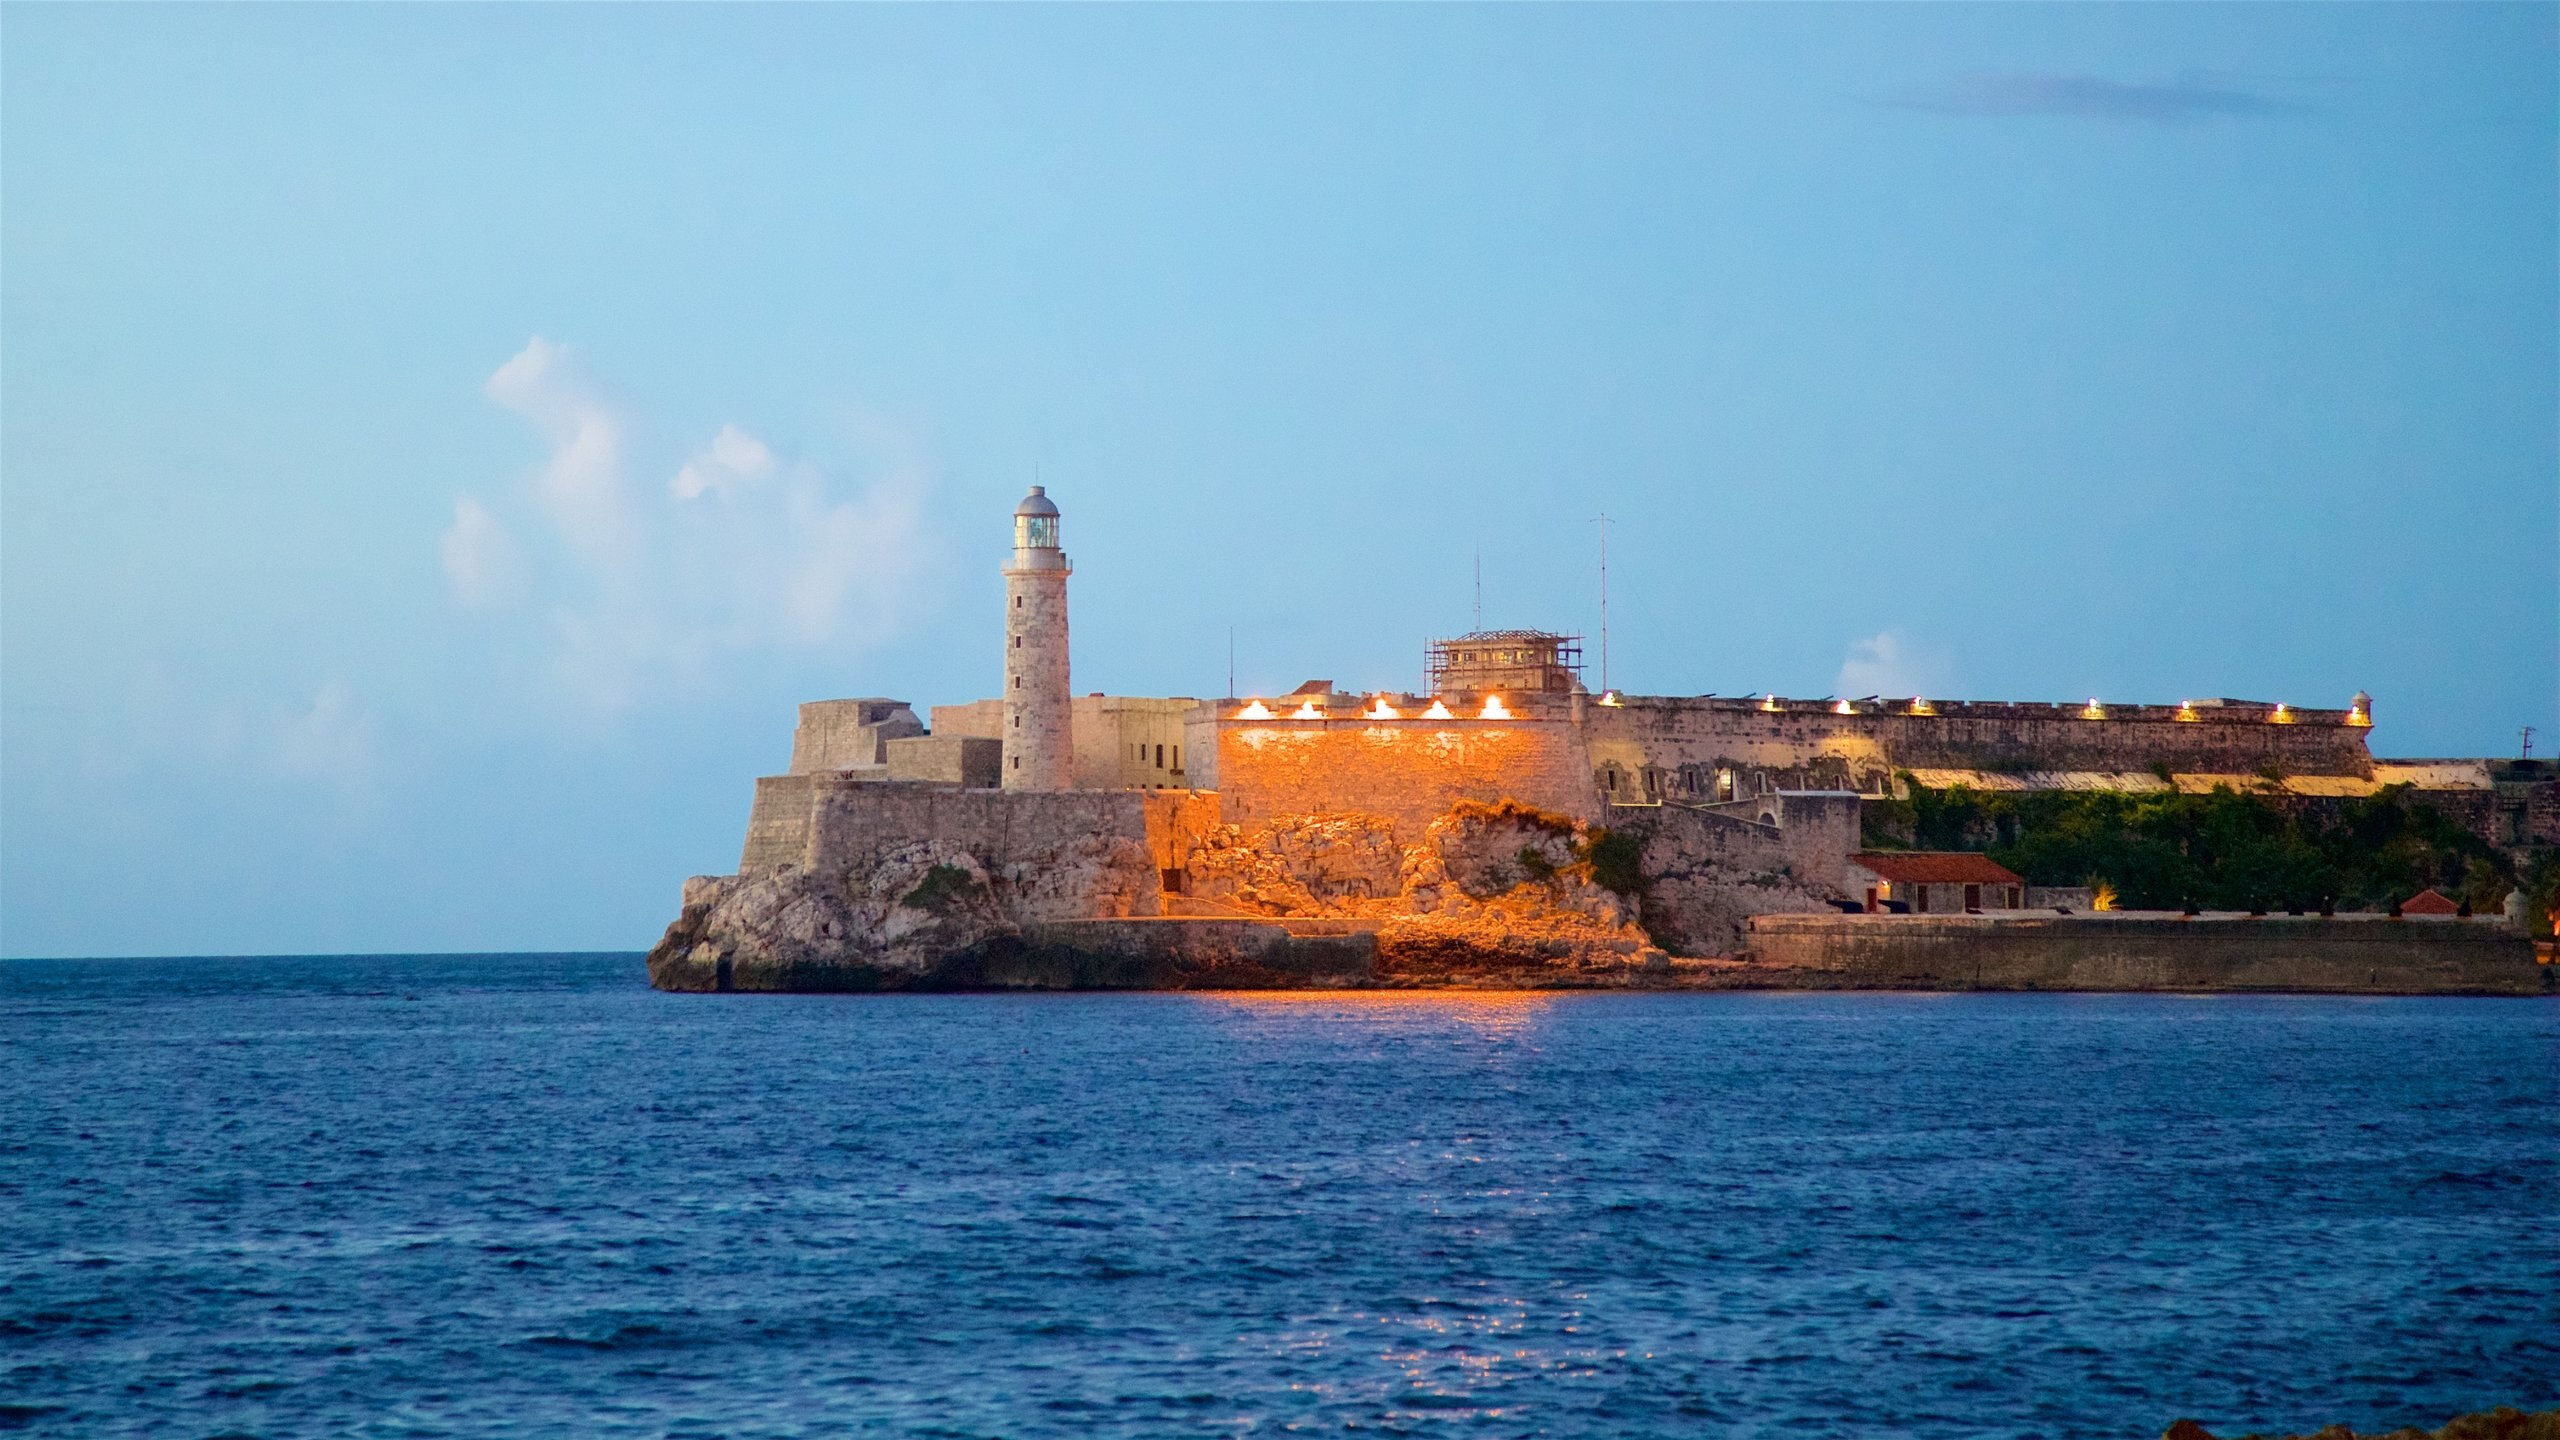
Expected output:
{"points": [[1493, 709], [1378, 709]]}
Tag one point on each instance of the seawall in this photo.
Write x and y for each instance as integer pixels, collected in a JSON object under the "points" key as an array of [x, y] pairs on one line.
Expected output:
{"points": [[2344, 954]]}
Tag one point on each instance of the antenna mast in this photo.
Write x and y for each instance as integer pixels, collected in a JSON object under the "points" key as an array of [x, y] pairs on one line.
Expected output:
{"points": [[1231, 662], [1479, 586], [1603, 522]]}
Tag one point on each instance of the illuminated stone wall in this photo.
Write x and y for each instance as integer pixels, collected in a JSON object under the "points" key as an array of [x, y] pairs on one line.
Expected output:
{"points": [[1408, 771]]}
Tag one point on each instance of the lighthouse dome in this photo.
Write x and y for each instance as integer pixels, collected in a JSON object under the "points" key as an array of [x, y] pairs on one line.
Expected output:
{"points": [[1035, 528]]}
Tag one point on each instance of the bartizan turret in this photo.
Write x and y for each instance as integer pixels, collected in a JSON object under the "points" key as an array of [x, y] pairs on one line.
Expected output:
{"points": [[1039, 740]]}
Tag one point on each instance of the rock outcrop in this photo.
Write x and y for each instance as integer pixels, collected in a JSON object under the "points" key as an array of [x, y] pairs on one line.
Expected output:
{"points": [[1488, 894]]}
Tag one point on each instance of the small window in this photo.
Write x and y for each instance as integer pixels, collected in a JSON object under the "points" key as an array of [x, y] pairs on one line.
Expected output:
{"points": [[1017, 642], [1159, 757], [1017, 762], [1177, 757], [1017, 682], [1017, 722], [1017, 602]]}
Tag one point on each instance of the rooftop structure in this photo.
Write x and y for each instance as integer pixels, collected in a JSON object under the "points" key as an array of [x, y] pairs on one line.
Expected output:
{"points": [[1936, 867], [1520, 662]]}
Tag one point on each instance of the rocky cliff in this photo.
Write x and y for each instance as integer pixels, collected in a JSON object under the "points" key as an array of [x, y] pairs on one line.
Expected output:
{"points": [[1498, 893]]}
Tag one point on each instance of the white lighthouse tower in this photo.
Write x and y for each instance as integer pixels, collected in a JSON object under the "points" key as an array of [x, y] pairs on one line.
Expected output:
{"points": [[1039, 740]]}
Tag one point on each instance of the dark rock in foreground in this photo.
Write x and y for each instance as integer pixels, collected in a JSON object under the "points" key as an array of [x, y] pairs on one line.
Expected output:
{"points": [[2503, 1423]]}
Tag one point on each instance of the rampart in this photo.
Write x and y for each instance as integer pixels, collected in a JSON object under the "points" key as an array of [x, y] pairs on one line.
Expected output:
{"points": [[1713, 748], [849, 734], [854, 821], [1704, 870], [2349, 954], [1408, 771], [821, 822]]}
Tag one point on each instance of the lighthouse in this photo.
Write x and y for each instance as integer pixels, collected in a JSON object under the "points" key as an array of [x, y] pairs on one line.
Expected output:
{"points": [[1039, 743]]}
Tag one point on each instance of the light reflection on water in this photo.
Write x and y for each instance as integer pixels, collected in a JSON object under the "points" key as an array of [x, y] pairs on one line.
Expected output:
{"points": [[1483, 1012]]}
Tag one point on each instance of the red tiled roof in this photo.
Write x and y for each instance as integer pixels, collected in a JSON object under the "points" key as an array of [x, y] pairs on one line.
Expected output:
{"points": [[1936, 867], [2428, 902]]}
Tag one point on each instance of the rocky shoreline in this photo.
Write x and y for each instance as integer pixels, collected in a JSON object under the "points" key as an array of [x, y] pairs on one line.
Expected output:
{"points": [[947, 891]]}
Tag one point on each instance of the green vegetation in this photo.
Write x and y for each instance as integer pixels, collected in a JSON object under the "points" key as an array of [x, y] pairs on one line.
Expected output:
{"points": [[1616, 860], [942, 887], [1535, 864], [2542, 892], [2226, 850]]}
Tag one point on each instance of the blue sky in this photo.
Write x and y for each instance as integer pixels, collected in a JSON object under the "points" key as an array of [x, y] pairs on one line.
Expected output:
{"points": [[438, 445]]}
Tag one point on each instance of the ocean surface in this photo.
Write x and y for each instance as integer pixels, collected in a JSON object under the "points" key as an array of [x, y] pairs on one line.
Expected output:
{"points": [[527, 1195]]}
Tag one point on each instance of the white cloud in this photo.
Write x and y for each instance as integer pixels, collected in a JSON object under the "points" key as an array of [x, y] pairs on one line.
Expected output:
{"points": [[733, 459], [1888, 663], [744, 550], [480, 557], [581, 486]]}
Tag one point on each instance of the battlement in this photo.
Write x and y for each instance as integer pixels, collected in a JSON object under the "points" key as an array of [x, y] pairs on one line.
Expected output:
{"points": [[2190, 712]]}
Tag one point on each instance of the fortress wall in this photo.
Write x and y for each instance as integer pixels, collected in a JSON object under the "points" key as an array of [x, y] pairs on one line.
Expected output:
{"points": [[981, 718], [2211, 745], [778, 826], [1200, 746], [1707, 873], [856, 821], [848, 734], [1819, 830], [1806, 745], [1118, 739], [1409, 772], [1175, 821], [2086, 952], [965, 760]]}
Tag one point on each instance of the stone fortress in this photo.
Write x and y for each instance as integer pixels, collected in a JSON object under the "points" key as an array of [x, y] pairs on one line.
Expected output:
{"points": [[1509, 823]]}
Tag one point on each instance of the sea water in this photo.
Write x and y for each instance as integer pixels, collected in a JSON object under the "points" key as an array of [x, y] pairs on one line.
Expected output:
{"points": [[527, 1195]]}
